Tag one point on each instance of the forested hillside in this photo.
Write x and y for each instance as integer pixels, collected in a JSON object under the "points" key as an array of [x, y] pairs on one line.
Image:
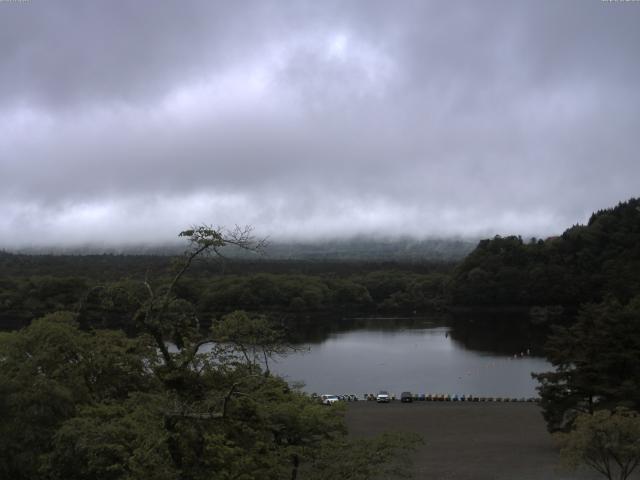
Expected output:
{"points": [[584, 264], [355, 249]]}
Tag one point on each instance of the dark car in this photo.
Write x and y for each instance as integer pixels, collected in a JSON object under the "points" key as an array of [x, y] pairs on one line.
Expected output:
{"points": [[406, 397]]}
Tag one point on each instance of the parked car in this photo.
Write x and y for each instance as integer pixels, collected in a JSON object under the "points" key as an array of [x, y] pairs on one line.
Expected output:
{"points": [[383, 397], [327, 399], [406, 397]]}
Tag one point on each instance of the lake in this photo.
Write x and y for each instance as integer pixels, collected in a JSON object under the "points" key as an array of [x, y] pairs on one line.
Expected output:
{"points": [[421, 358]]}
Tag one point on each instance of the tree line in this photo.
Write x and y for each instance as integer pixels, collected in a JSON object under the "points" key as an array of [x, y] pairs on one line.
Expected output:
{"points": [[23, 298]]}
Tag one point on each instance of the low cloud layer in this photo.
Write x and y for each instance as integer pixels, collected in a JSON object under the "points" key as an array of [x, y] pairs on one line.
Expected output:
{"points": [[125, 122]]}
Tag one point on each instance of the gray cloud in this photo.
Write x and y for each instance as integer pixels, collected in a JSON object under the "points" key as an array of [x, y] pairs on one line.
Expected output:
{"points": [[125, 122]]}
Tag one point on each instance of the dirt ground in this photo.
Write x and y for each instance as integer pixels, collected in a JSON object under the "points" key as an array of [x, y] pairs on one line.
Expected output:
{"points": [[479, 441]]}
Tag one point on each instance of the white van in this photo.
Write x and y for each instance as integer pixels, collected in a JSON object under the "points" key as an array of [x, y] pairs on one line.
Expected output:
{"points": [[327, 399]]}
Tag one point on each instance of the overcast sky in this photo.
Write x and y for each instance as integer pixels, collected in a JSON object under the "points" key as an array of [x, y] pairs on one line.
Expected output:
{"points": [[128, 121]]}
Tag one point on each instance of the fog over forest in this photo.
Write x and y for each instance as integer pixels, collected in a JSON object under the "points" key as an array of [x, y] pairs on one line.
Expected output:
{"points": [[123, 124]]}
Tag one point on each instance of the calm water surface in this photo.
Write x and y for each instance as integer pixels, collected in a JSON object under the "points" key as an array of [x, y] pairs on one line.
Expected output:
{"points": [[421, 360]]}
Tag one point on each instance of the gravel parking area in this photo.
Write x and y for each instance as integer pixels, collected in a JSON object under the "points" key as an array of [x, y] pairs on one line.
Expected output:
{"points": [[475, 441]]}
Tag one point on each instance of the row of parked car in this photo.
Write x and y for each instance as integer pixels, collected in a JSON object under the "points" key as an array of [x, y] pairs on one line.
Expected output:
{"points": [[406, 397], [329, 399]]}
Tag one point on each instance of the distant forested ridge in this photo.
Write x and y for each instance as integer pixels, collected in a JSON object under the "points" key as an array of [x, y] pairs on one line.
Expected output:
{"points": [[356, 249], [368, 249], [585, 264], [33, 285]]}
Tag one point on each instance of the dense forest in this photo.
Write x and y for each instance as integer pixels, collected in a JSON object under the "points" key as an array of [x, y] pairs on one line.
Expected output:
{"points": [[32, 286], [584, 264]]}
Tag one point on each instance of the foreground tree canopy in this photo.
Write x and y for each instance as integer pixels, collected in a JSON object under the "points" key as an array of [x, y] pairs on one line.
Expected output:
{"points": [[170, 402], [597, 361], [608, 442]]}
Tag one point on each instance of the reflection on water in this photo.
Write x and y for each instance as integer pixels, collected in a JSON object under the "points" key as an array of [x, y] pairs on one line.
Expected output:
{"points": [[318, 329], [502, 334], [417, 356]]}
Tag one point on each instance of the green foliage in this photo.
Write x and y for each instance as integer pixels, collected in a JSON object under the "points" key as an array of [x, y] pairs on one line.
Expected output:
{"points": [[22, 299], [124, 440], [204, 236], [583, 265], [255, 337], [169, 402], [380, 291], [51, 369], [597, 363], [97, 405], [111, 304], [608, 442]]}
